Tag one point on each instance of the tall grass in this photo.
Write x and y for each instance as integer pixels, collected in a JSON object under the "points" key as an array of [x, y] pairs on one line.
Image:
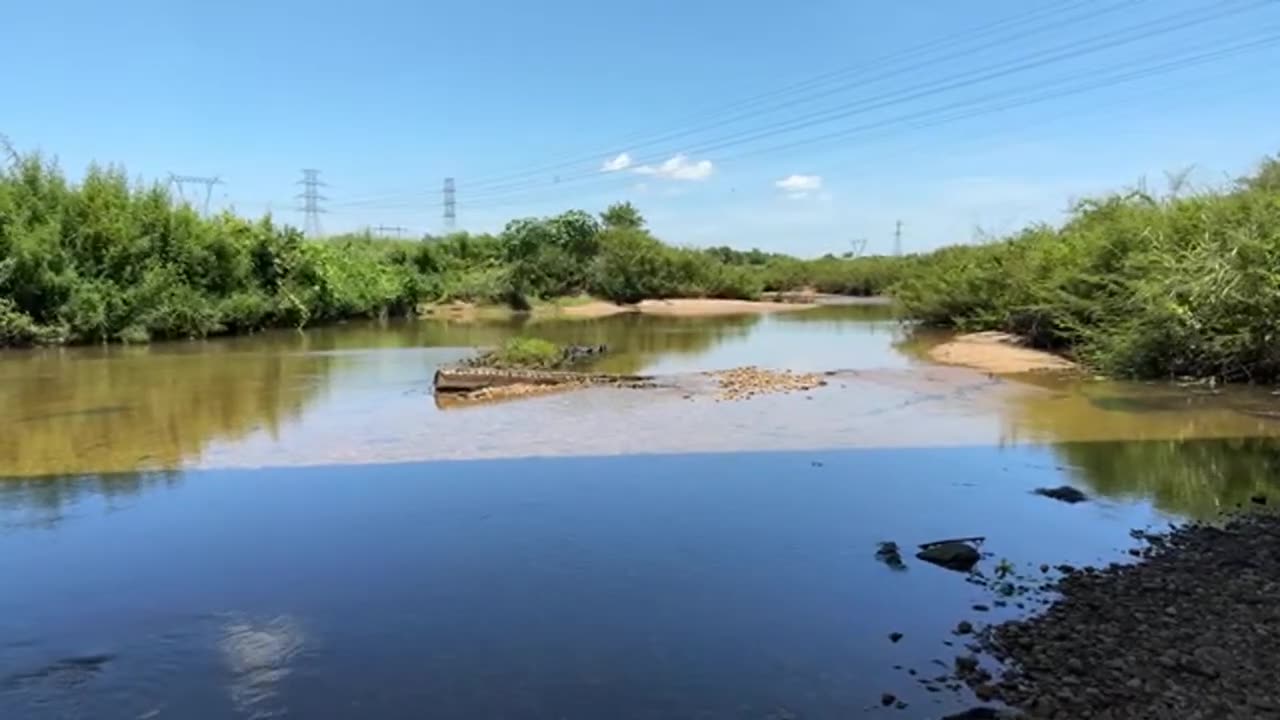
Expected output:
{"points": [[1132, 284]]}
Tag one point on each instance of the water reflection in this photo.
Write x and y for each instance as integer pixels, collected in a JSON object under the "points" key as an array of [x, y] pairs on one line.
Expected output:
{"points": [[259, 655], [119, 409], [1196, 478]]}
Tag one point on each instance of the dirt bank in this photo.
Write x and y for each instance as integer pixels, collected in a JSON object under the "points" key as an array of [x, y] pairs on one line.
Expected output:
{"points": [[996, 352], [683, 307], [1192, 631]]}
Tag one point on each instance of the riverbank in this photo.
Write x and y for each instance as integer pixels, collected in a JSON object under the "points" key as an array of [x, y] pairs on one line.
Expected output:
{"points": [[196, 276], [998, 353], [1181, 286], [1191, 630]]}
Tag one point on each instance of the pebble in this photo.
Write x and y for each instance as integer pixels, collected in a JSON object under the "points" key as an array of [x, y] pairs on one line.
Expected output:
{"points": [[1190, 630]]}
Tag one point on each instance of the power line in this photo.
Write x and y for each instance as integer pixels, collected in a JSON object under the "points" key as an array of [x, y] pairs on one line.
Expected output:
{"points": [[959, 81], [494, 183], [181, 181], [982, 105], [646, 140], [933, 117], [1070, 51], [397, 230], [311, 199]]}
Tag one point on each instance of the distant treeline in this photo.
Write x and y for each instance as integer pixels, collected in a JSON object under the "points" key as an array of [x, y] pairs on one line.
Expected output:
{"points": [[103, 261], [1132, 285]]}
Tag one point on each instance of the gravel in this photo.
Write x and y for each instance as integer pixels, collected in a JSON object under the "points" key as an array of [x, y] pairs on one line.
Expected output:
{"points": [[1190, 631]]}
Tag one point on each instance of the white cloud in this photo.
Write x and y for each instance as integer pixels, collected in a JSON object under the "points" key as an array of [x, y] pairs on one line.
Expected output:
{"points": [[641, 187], [621, 162], [799, 184], [679, 167], [797, 195]]}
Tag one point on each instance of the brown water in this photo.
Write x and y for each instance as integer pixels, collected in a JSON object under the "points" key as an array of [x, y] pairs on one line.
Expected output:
{"points": [[360, 393], [268, 526]]}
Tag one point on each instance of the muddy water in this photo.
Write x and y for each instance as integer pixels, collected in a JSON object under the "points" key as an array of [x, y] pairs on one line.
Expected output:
{"points": [[288, 525]]}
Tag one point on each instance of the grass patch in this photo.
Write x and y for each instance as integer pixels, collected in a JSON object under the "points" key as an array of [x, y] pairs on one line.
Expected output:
{"points": [[530, 353]]}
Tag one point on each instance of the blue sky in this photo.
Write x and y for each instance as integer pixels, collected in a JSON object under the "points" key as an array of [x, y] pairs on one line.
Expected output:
{"points": [[992, 115]]}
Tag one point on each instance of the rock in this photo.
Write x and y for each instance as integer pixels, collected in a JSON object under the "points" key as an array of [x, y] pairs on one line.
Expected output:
{"points": [[985, 692], [887, 699], [1065, 493], [964, 628], [887, 552], [981, 608], [957, 556], [966, 664], [981, 713], [1258, 499], [899, 705], [895, 636]]}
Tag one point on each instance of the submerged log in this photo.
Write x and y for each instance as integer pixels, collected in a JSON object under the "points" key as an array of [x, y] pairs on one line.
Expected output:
{"points": [[470, 379]]}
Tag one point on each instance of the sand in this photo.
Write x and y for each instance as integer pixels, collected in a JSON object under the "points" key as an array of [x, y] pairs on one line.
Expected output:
{"points": [[996, 352], [683, 307]]}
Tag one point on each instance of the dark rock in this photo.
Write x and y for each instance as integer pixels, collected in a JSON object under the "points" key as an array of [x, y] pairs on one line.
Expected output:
{"points": [[985, 693], [1065, 493], [888, 553], [964, 627], [957, 556], [1258, 499], [895, 636], [981, 608], [981, 713], [966, 664], [887, 699]]}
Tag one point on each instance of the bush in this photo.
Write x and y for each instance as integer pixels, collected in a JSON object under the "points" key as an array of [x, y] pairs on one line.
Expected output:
{"points": [[1133, 285], [528, 353], [104, 261]]}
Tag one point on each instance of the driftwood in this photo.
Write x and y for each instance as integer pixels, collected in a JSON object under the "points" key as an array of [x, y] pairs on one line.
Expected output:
{"points": [[935, 543], [468, 379]]}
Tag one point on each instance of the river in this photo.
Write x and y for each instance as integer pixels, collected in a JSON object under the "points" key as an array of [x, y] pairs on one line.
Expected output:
{"points": [[287, 524]]}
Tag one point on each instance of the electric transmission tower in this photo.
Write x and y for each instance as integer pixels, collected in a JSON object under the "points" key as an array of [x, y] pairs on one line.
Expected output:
{"points": [[311, 199], [897, 238], [396, 230], [181, 181], [450, 205]]}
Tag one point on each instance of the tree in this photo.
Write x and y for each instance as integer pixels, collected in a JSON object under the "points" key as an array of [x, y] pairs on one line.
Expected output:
{"points": [[622, 216]]}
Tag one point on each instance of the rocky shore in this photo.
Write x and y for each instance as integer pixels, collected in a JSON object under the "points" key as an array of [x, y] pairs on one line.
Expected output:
{"points": [[1190, 631], [746, 382]]}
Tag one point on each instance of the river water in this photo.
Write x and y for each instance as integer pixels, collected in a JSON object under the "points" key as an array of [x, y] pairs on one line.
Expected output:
{"points": [[287, 524]]}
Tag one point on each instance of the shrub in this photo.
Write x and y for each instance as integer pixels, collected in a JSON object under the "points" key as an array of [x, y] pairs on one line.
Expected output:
{"points": [[528, 353]]}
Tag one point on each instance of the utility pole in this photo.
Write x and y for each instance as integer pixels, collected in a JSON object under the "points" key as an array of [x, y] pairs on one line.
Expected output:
{"points": [[897, 238], [180, 181], [311, 199], [450, 205], [397, 229]]}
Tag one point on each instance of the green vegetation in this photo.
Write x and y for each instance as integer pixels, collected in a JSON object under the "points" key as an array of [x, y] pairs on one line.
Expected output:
{"points": [[1132, 285], [107, 261], [527, 352], [104, 261]]}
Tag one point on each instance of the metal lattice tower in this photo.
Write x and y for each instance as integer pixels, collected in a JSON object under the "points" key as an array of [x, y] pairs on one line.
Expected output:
{"points": [[897, 238], [181, 181], [397, 230], [450, 205], [311, 199]]}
